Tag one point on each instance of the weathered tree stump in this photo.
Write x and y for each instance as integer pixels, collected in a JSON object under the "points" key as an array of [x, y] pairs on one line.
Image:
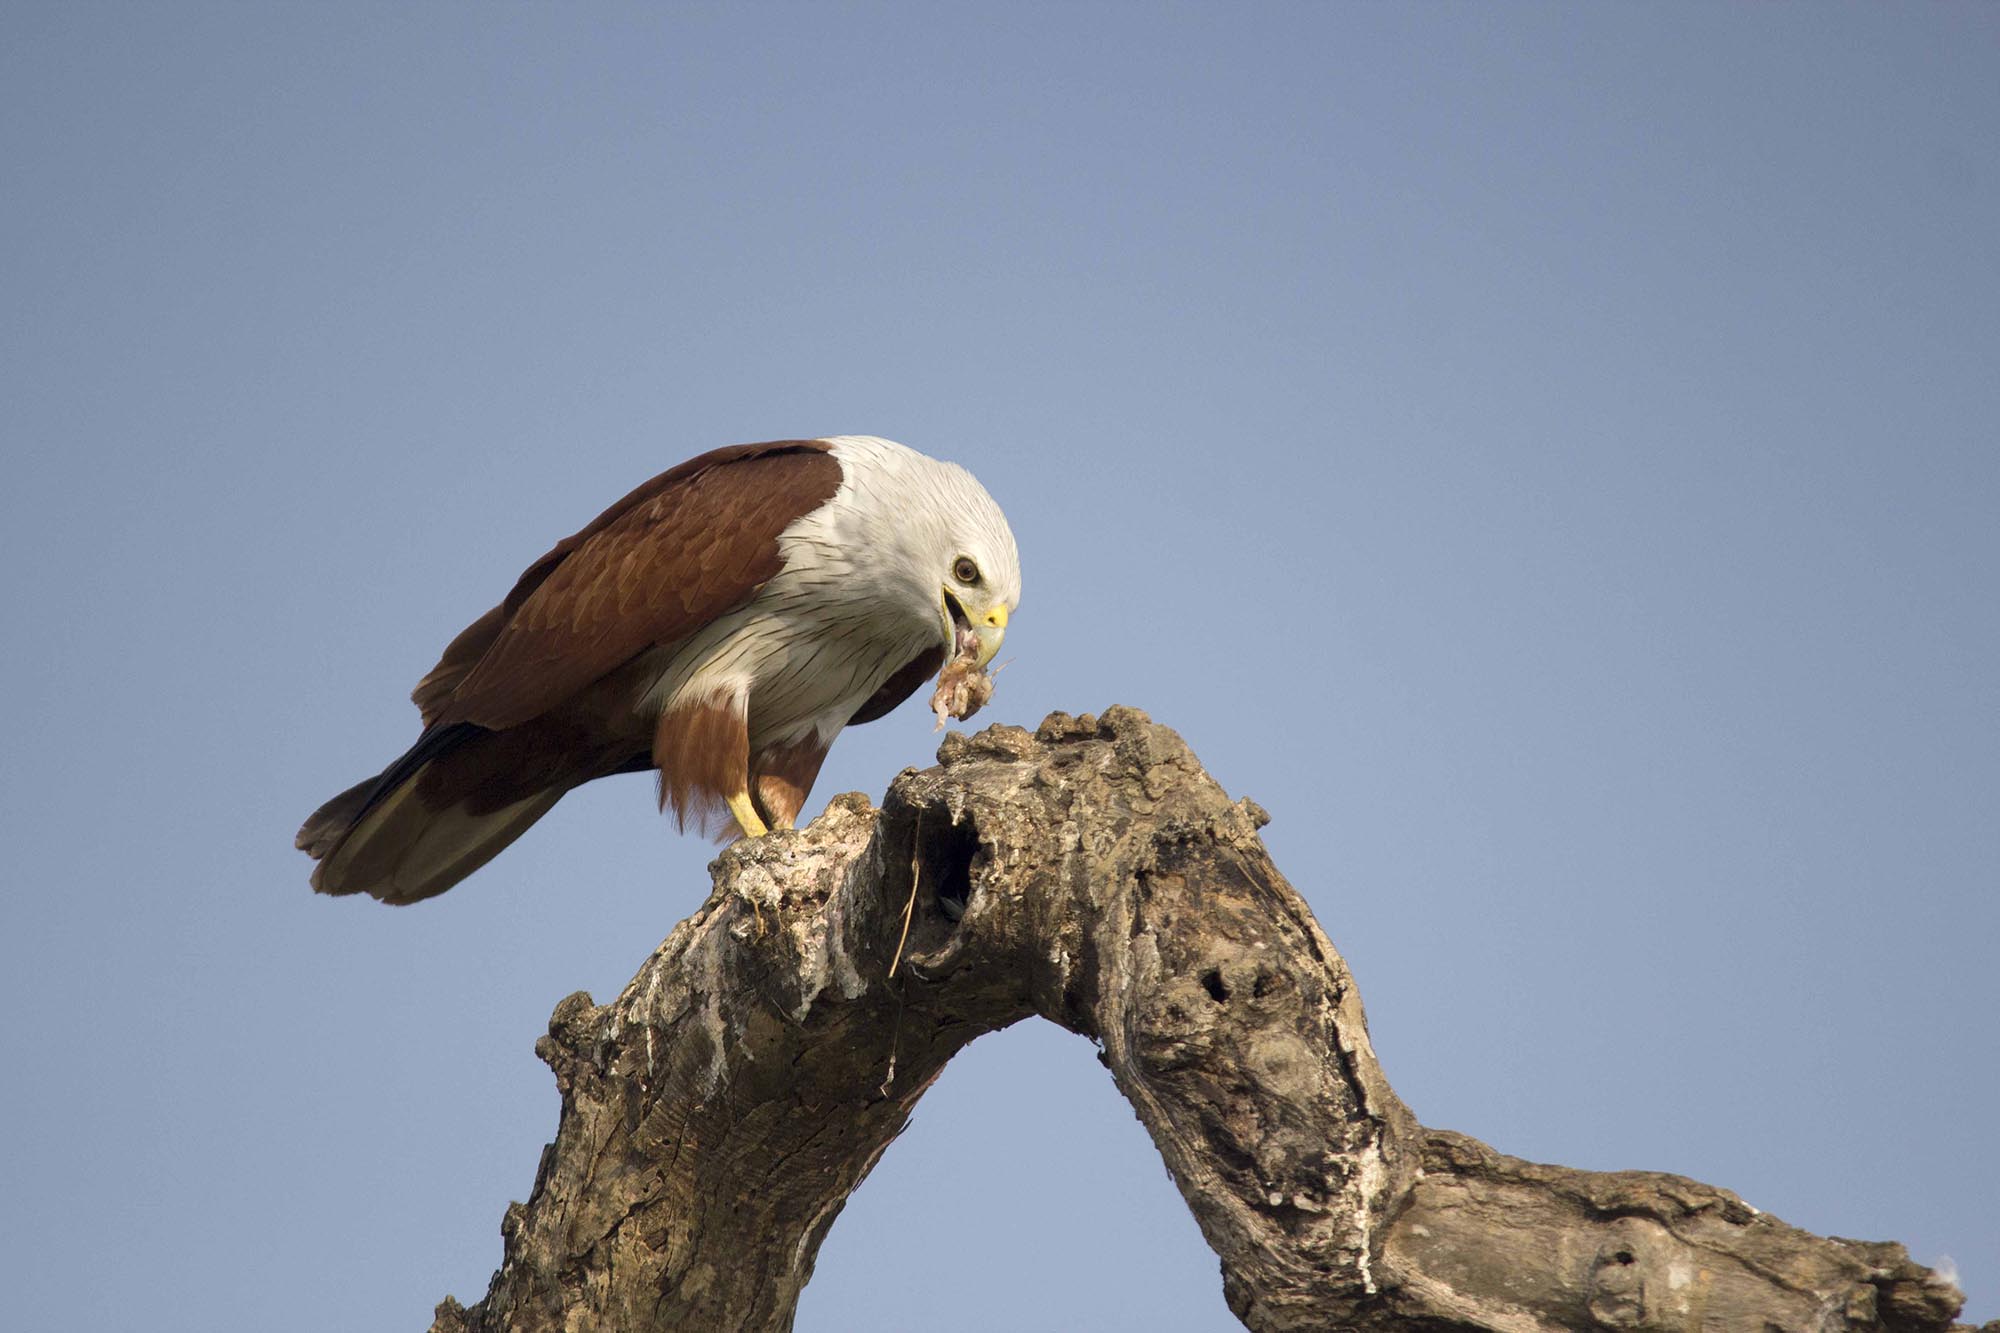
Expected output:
{"points": [[718, 1113]]}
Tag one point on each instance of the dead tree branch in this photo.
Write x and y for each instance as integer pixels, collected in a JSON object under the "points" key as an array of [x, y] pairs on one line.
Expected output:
{"points": [[718, 1113]]}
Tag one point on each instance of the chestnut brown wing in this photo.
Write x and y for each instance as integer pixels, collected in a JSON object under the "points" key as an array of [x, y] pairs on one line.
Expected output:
{"points": [[691, 544]]}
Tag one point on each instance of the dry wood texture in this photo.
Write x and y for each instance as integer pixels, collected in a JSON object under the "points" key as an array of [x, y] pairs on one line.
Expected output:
{"points": [[717, 1114]]}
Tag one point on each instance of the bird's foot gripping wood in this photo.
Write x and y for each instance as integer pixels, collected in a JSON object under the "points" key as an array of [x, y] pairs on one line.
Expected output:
{"points": [[744, 812]]}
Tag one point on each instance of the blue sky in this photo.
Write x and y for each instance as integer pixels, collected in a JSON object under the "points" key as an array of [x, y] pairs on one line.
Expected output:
{"points": [[1544, 454]]}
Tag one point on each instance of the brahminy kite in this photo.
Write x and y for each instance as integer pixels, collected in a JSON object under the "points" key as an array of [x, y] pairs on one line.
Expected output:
{"points": [[720, 624]]}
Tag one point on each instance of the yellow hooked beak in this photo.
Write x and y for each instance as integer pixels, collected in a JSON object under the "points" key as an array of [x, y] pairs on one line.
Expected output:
{"points": [[988, 630]]}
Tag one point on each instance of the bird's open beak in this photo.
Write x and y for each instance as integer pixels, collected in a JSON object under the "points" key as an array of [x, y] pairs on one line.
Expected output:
{"points": [[982, 635]]}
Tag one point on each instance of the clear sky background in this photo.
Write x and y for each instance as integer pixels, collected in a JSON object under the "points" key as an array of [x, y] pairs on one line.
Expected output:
{"points": [[1546, 455]]}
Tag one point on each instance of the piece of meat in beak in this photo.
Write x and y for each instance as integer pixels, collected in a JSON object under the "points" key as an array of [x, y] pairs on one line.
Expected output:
{"points": [[964, 686]]}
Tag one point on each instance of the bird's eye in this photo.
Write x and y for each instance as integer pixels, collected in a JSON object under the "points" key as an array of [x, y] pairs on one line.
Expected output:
{"points": [[965, 571]]}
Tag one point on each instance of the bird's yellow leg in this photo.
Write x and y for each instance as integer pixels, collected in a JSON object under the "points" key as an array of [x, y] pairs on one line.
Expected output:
{"points": [[746, 816]]}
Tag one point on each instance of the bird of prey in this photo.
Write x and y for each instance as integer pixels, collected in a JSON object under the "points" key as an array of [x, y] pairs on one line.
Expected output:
{"points": [[720, 624]]}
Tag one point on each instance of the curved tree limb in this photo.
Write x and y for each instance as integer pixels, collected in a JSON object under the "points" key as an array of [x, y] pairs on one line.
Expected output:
{"points": [[718, 1113]]}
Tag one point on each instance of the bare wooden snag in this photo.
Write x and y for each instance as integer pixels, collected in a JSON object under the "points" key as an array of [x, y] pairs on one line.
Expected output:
{"points": [[718, 1113]]}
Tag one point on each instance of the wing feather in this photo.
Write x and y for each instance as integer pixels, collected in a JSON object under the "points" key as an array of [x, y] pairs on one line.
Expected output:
{"points": [[692, 544], [908, 678]]}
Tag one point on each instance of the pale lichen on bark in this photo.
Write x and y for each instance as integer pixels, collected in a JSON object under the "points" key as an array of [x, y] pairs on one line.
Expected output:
{"points": [[718, 1113]]}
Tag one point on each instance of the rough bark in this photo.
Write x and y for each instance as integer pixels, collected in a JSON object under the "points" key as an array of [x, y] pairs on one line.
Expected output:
{"points": [[718, 1113]]}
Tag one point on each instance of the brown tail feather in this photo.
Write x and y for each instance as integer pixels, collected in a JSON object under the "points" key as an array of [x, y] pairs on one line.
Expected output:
{"points": [[326, 826], [421, 827]]}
